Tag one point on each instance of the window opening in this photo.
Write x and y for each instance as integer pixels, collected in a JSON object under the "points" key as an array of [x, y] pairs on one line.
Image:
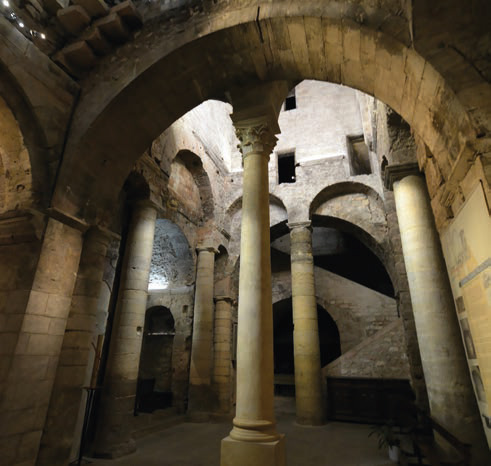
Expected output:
{"points": [[291, 101], [286, 168], [359, 157]]}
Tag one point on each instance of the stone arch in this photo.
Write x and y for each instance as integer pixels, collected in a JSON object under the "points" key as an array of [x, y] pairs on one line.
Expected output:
{"points": [[18, 187], [194, 165], [378, 248], [32, 162], [367, 208], [357, 56]]}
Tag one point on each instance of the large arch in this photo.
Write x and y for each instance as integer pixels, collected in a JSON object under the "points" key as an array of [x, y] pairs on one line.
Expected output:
{"points": [[285, 48]]}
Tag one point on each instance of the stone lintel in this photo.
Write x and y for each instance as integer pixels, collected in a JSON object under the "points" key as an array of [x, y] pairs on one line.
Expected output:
{"points": [[67, 219], [397, 172], [304, 224]]}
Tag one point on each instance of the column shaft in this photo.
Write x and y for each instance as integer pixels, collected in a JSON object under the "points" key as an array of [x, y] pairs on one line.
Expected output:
{"points": [[308, 387], [223, 352], [114, 436], [200, 391], [22, 410], [254, 439], [450, 393], [76, 353]]}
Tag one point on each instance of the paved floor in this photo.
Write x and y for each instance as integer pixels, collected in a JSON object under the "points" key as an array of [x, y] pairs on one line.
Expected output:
{"points": [[188, 444]]}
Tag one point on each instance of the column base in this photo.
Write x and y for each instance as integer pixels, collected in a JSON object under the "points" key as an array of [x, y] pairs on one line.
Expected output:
{"points": [[239, 453]]}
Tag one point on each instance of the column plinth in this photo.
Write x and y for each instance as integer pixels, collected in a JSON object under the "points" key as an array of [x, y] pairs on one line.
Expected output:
{"points": [[114, 436], [254, 439], [308, 385]]}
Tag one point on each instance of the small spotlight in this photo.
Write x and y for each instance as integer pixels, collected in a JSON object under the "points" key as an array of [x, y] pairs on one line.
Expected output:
{"points": [[5, 3], [21, 24], [43, 35]]}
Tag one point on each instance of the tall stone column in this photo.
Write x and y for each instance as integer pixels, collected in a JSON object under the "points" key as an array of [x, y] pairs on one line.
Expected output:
{"points": [[29, 382], [308, 386], [450, 393], [223, 352], [118, 397], [200, 390], [254, 439], [76, 353]]}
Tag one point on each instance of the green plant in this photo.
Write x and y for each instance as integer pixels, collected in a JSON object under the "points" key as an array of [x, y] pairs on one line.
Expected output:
{"points": [[386, 435]]}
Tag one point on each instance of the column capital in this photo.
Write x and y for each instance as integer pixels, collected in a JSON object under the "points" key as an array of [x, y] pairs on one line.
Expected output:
{"points": [[396, 172], [223, 298], [203, 248], [147, 203], [256, 135], [294, 225]]}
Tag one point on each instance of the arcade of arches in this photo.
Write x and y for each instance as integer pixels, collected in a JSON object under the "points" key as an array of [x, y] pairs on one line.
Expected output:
{"points": [[207, 204]]}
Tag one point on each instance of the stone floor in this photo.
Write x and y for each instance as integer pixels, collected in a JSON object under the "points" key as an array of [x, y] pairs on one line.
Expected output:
{"points": [[188, 444]]}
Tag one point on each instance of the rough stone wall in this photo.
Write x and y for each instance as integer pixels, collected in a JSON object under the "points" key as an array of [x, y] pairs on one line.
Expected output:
{"points": [[381, 355], [326, 114]]}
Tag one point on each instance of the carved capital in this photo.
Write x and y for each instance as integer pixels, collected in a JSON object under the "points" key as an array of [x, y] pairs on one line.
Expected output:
{"points": [[255, 136], [397, 172], [300, 225]]}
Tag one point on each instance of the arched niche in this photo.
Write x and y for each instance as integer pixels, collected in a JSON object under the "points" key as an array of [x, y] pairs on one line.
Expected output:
{"points": [[155, 371], [366, 208], [191, 185], [172, 263]]}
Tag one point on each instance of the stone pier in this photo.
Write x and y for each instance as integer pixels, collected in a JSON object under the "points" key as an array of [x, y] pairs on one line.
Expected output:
{"points": [[114, 436]]}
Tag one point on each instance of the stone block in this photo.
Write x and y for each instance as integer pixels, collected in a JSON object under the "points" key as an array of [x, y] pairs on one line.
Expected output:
{"points": [[94, 8], [79, 55], [74, 19], [113, 28], [129, 14]]}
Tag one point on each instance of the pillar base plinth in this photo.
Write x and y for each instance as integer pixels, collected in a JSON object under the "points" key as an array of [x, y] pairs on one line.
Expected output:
{"points": [[239, 453]]}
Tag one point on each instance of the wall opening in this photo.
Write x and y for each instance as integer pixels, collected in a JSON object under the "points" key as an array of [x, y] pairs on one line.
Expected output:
{"points": [[154, 390], [284, 366], [291, 101], [286, 168], [359, 157]]}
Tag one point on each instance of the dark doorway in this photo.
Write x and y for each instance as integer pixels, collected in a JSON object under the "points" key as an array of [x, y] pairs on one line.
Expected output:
{"points": [[154, 389], [286, 168]]}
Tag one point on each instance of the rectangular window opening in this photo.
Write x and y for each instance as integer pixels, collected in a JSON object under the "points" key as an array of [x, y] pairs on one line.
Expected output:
{"points": [[286, 168], [359, 156], [291, 101]]}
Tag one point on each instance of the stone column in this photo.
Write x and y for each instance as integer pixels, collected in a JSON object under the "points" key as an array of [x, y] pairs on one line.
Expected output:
{"points": [[223, 352], [254, 439], [76, 353], [25, 400], [200, 391], [450, 393], [308, 386], [114, 436]]}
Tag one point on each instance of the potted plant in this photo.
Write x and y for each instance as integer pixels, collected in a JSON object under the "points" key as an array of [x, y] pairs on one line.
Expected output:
{"points": [[387, 438]]}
